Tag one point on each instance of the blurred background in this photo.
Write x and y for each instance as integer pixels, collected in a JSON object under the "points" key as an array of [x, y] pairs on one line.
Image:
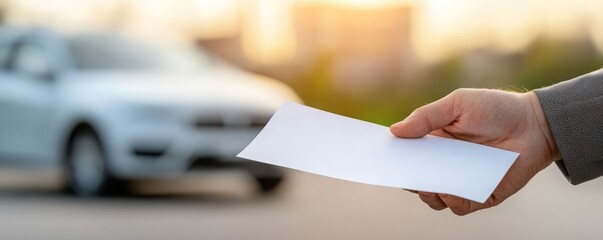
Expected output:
{"points": [[375, 60]]}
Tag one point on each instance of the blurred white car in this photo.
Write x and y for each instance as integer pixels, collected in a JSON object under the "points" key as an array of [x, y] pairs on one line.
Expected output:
{"points": [[109, 108]]}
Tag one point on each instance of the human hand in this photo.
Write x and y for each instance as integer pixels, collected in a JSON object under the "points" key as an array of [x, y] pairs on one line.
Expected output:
{"points": [[511, 121]]}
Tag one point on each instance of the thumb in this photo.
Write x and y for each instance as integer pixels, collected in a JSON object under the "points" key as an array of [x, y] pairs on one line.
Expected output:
{"points": [[426, 119]]}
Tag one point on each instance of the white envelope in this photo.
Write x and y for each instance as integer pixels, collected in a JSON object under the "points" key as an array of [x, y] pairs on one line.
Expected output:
{"points": [[315, 141]]}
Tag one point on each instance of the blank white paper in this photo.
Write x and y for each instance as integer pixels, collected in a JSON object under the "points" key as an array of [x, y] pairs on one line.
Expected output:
{"points": [[319, 142]]}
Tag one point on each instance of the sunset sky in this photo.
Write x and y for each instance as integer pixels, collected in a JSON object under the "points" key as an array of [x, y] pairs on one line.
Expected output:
{"points": [[439, 27]]}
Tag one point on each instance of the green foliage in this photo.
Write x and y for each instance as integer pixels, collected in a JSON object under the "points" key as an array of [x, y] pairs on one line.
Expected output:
{"points": [[543, 63]]}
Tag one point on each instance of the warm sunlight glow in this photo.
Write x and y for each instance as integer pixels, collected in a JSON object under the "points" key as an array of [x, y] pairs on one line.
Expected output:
{"points": [[210, 11], [438, 28], [61, 13], [444, 27], [356, 3], [268, 32]]}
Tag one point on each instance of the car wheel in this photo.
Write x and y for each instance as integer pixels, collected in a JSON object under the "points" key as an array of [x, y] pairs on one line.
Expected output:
{"points": [[268, 185], [86, 166]]}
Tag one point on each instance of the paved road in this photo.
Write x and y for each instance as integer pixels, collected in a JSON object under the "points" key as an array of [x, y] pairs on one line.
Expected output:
{"points": [[223, 206]]}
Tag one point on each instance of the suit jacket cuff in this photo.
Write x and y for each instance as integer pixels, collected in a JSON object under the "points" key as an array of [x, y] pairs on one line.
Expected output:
{"points": [[574, 111]]}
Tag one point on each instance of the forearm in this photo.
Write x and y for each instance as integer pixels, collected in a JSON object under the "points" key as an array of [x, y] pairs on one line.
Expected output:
{"points": [[574, 112]]}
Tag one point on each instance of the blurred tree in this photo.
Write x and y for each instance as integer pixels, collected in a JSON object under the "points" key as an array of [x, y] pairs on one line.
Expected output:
{"points": [[3, 10]]}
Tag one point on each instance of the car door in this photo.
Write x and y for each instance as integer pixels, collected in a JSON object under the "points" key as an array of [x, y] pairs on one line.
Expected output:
{"points": [[25, 101]]}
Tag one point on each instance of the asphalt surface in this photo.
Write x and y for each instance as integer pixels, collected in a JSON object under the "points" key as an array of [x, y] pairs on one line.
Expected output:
{"points": [[224, 206]]}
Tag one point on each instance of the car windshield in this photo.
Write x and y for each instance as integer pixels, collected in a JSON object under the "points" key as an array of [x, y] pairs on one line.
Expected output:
{"points": [[115, 52]]}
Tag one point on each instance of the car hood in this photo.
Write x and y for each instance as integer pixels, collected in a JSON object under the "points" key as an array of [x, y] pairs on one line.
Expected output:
{"points": [[216, 87]]}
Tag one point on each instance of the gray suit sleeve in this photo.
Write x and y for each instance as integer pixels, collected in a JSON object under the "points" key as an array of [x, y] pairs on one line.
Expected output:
{"points": [[574, 111]]}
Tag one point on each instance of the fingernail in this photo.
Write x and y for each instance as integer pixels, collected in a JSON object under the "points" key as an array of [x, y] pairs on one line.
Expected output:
{"points": [[399, 124]]}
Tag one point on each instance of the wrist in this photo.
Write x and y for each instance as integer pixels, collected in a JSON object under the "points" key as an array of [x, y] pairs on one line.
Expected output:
{"points": [[543, 126]]}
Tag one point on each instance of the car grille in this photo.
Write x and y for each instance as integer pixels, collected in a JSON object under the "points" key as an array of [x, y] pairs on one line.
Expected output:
{"points": [[205, 122], [216, 122]]}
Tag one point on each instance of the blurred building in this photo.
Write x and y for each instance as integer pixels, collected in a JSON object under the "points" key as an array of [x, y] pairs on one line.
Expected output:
{"points": [[363, 47], [369, 46]]}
